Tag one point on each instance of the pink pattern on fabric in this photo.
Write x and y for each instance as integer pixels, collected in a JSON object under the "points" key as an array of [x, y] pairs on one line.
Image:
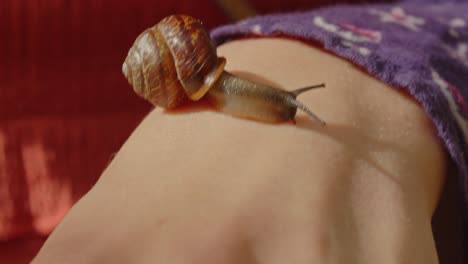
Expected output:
{"points": [[459, 99], [454, 98], [350, 34], [375, 36]]}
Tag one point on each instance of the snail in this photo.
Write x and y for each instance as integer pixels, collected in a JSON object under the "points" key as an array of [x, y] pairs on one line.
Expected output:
{"points": [[175, 61]]}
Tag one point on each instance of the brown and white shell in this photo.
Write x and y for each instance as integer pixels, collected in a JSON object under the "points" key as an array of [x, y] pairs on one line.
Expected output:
{"points": [[172, 61]]}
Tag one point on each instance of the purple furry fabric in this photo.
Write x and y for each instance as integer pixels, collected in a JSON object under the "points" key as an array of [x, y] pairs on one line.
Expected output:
{"points": [[420, 46]]}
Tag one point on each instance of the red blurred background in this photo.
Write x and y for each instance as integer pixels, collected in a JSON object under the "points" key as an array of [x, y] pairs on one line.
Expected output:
{"points": [[65, 107]]}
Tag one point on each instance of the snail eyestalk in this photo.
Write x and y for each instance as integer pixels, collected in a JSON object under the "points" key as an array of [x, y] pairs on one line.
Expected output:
{"points": [[306, 110], [307, 88]]}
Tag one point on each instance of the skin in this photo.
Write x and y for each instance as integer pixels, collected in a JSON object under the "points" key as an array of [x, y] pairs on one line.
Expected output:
{"points": [[197, 186]]}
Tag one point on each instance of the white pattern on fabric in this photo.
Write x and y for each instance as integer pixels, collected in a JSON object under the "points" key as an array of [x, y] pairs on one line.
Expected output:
{"points": [[459, 52], [398, 16], [257, 29], [455, 107], [362, 50]]}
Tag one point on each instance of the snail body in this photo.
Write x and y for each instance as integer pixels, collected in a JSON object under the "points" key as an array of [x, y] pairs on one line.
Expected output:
{"points": [[175, 61], [243, 98]]}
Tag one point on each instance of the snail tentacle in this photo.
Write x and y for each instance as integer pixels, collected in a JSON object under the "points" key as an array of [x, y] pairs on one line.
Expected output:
{"points": [[307, 88]]}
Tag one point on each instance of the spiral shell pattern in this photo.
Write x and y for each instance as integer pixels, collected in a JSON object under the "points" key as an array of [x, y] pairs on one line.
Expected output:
{"points": [[168, 62]]}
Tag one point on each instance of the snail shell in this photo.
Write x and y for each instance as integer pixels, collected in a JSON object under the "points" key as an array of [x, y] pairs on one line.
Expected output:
{"points": [[173, 61]]}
